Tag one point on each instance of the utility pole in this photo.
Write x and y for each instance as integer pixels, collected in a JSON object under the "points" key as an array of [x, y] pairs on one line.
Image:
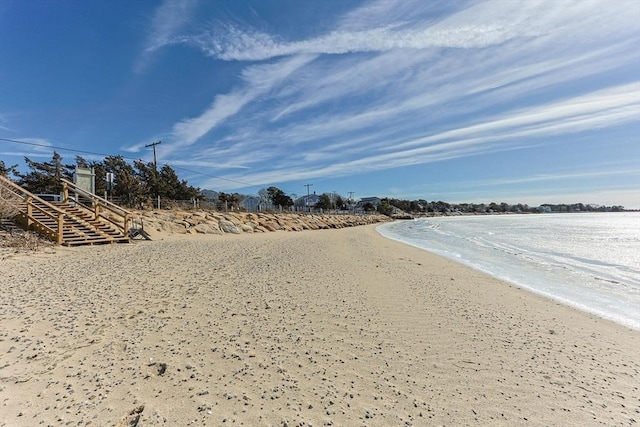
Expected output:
{"points": [[155, 168], [153, 145], [307, 201]]}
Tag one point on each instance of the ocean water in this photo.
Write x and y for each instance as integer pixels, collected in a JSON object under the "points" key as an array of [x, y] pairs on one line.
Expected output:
{"points": [[590, 261]]}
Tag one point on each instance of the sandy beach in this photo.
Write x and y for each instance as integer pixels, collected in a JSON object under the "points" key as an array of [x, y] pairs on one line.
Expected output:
{"points": [[331, 327]]}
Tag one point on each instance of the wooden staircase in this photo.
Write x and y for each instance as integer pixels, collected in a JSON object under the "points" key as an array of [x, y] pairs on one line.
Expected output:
{"points": [[81, 218]]}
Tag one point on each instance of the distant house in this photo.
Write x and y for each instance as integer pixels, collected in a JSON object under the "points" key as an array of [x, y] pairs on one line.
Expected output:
{"points": [[544, 209], [307, 201], [375, 201], [255, 204], [251, 204]]}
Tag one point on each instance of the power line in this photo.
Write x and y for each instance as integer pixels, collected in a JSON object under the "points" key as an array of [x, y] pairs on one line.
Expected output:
{"points": [[214, 176], [73, 150], [35, 144], [53, 147]]}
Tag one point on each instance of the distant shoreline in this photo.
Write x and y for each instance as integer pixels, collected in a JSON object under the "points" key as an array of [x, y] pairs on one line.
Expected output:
{"points": [[441, 214]]}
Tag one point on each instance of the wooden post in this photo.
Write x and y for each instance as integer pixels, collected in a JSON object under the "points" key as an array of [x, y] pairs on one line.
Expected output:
{"points": [[60, 227], [96, 209], [65, 192], [29, 211], [126, 224]]}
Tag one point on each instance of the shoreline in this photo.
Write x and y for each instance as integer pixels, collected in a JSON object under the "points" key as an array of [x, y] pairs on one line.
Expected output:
{"points": [[623, 321], [336, 326]]}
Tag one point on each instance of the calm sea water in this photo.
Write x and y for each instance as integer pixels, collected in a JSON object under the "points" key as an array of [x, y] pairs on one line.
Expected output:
{"points": [[590, 261]]}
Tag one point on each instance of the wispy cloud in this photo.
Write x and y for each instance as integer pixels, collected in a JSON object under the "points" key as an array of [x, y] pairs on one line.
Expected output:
{"points": [[257, 80], [381, 26], [401, 83], [196, 163], [609, 107], [551, 177], [261, 46], [4, 123], [169, 18]]}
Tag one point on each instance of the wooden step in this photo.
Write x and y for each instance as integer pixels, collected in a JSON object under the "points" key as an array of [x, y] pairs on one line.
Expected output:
{"points": [[79, 227]]}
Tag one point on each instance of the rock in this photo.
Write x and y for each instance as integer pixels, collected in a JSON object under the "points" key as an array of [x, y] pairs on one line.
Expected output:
{"points": [[207, 229], [228, 227], [132, 418], [240, 222], [193, 221], [173, 227], [268, 226], [247, 228], [233, 219]]}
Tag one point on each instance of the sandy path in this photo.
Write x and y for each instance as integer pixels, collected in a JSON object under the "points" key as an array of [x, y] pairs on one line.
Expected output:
{"points": [[335, 327]]}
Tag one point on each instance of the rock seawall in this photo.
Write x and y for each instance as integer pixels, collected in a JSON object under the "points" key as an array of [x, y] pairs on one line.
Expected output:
{"points": [[202, 222]]}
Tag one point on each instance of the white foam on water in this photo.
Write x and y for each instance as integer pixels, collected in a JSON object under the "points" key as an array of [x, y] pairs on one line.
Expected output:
{"points": [[590, 261]]}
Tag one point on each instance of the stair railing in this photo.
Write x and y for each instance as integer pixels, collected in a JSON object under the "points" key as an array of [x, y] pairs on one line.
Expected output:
{"points": [[99, 206], [41, 206]]}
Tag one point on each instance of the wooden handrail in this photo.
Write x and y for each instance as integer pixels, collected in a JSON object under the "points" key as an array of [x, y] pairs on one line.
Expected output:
{"points": [[28, 198], [64, 224], [92, 196], [98, 202], [22, 193]]}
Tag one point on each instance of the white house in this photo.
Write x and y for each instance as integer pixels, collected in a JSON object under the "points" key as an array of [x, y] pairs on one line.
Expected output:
{"points": [[254, 204], [307, 201], [375, 201]]}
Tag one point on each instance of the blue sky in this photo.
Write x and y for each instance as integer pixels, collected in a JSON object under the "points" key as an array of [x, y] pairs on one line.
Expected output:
{"points": [[460, 101]]}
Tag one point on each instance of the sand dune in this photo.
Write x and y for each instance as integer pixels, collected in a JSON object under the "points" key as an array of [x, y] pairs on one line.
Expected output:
{"points": [[333, 327]]}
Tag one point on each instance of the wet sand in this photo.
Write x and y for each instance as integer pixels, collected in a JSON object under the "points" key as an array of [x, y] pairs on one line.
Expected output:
{"points": [[332, 327]]}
